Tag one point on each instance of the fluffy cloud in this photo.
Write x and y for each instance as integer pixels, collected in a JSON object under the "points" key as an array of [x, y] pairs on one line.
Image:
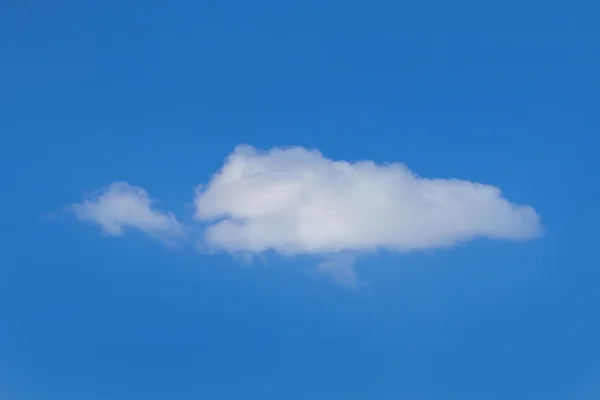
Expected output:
{"points": [[123, 206], [292, 201], [296, 201]]}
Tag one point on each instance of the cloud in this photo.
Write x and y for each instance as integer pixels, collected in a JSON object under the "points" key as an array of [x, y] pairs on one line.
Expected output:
{"points": [[122, 206], [296, 201], [340, 268]]}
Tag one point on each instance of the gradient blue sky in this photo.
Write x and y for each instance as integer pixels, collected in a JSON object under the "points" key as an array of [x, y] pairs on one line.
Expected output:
{"points": [[159, 93]]}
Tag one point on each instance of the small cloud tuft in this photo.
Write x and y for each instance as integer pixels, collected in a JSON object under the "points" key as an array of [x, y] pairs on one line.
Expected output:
{"points": [[122, 206]]}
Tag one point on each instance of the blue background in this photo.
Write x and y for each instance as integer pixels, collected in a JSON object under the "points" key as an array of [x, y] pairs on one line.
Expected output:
{"points": [[158, 93]]}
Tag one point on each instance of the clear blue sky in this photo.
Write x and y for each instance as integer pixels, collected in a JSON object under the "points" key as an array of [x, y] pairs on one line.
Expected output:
{"points": [[158, 94]]}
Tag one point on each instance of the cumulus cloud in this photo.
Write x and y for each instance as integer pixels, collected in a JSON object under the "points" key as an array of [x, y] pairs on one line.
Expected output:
{"points": [[122, 206], [296, 201]]}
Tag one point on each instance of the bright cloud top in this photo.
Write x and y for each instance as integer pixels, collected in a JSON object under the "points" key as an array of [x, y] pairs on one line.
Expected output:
{"points": [[293, 201], [123, 206]]}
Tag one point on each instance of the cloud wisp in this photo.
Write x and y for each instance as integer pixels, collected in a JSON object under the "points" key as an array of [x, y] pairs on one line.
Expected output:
{"points": [[296, 201], [121, 206]]}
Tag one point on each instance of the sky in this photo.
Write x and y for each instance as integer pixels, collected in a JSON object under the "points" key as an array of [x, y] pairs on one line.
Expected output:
{"points": [[285, 200]]}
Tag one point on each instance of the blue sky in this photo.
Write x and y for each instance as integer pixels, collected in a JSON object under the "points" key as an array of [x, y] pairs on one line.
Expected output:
{"points": [[296, 271]]}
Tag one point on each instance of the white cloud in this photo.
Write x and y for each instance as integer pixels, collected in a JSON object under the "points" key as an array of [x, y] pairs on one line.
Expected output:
{"points": [[122, 206], [295, 201]]}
